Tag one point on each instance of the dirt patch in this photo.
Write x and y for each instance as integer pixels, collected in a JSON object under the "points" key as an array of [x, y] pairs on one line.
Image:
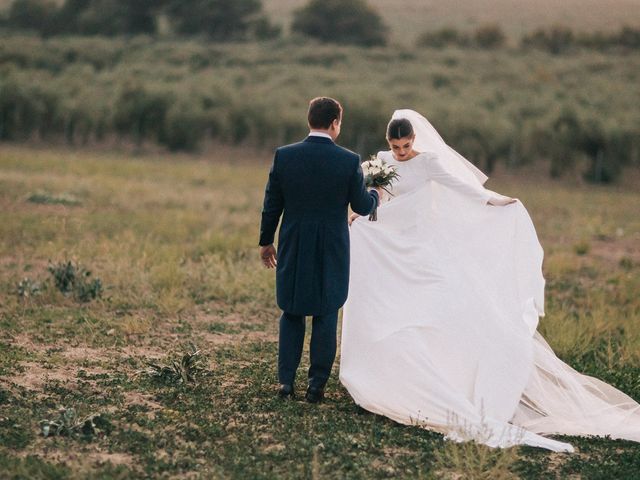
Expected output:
{"points": [[82, 460], [615, 249], [238, 329], [84, 354], [69, 364], [209, 339], [137, 398], [113, 458], [34, 376]]}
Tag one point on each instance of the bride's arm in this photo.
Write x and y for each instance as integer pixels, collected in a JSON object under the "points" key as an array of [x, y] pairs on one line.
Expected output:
{"points": [[437, 172]]}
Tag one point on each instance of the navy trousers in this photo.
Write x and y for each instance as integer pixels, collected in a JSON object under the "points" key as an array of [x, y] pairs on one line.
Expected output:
{"points": [[322, 351]]}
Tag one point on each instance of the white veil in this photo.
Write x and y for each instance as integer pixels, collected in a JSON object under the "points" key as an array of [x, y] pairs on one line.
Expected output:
{"points": [[429, 140]]}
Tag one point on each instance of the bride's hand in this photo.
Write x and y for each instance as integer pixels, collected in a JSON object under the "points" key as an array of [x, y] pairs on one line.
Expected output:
{"points": [[501, 202], [352, 217]]}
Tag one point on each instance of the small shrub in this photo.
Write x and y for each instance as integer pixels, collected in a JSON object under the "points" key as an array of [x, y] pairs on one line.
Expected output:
{"points": [[27, 288], [439, 81], [13, 432], [46, 198], [64, 275], [71, 278], [555, 40], [444, 37], [581, 248], [341, 21], [180, 371], [626, 263], [221, 327], [67, 423], [88, 290], [489, 36]]}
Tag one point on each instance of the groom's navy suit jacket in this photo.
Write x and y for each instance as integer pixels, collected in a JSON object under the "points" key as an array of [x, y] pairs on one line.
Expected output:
{"points": [[312, 183]]}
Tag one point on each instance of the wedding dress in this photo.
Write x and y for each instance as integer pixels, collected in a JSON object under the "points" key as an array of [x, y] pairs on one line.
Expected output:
{"points": [[439, 329]]}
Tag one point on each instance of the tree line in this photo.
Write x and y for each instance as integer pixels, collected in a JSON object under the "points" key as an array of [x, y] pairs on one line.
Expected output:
{"points": [[218, 19], [345, 21], [352, 22]]}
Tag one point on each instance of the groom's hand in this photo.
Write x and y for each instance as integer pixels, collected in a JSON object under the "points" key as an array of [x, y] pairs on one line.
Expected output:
{"points": [[268, 256]]}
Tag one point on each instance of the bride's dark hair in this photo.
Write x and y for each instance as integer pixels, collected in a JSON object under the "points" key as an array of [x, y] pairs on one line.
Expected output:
{"points": [[399, 128]]}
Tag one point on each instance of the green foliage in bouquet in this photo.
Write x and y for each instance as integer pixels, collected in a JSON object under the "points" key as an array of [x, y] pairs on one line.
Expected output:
{"points": [[377, 174]]}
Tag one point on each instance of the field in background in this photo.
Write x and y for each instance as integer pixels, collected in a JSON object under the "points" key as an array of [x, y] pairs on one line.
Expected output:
{"points": [[173, 240], [408, 18], [506, 105]]}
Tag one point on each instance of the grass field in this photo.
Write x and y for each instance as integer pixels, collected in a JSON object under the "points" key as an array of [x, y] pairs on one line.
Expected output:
{"points": [[172, 238]]}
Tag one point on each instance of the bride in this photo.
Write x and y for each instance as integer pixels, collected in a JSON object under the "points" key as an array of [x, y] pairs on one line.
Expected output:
{"points": [[445, 293]]}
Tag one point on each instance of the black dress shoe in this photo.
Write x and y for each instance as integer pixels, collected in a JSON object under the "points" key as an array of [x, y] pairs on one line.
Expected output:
{"points": [[286, 391], [314, 395]]}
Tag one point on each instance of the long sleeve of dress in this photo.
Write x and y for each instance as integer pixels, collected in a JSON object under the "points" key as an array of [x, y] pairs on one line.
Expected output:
{"points": [[438, 173]]}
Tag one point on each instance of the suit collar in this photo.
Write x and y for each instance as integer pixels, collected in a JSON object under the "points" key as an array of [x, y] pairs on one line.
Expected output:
{"points": [[314, 139]]}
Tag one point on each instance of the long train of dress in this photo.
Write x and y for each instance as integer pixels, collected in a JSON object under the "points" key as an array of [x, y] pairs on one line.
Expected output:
{"points": [[439, 329]]}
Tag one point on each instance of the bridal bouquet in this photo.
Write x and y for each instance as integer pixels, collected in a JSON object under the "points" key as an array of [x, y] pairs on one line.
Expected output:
{"points": [[378, 174]]}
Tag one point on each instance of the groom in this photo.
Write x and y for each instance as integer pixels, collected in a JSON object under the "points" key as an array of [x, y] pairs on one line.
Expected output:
{"points": [[312, 182]]}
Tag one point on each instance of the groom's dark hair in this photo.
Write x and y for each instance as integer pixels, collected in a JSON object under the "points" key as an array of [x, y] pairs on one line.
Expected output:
{"points": [[323, 111]]}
